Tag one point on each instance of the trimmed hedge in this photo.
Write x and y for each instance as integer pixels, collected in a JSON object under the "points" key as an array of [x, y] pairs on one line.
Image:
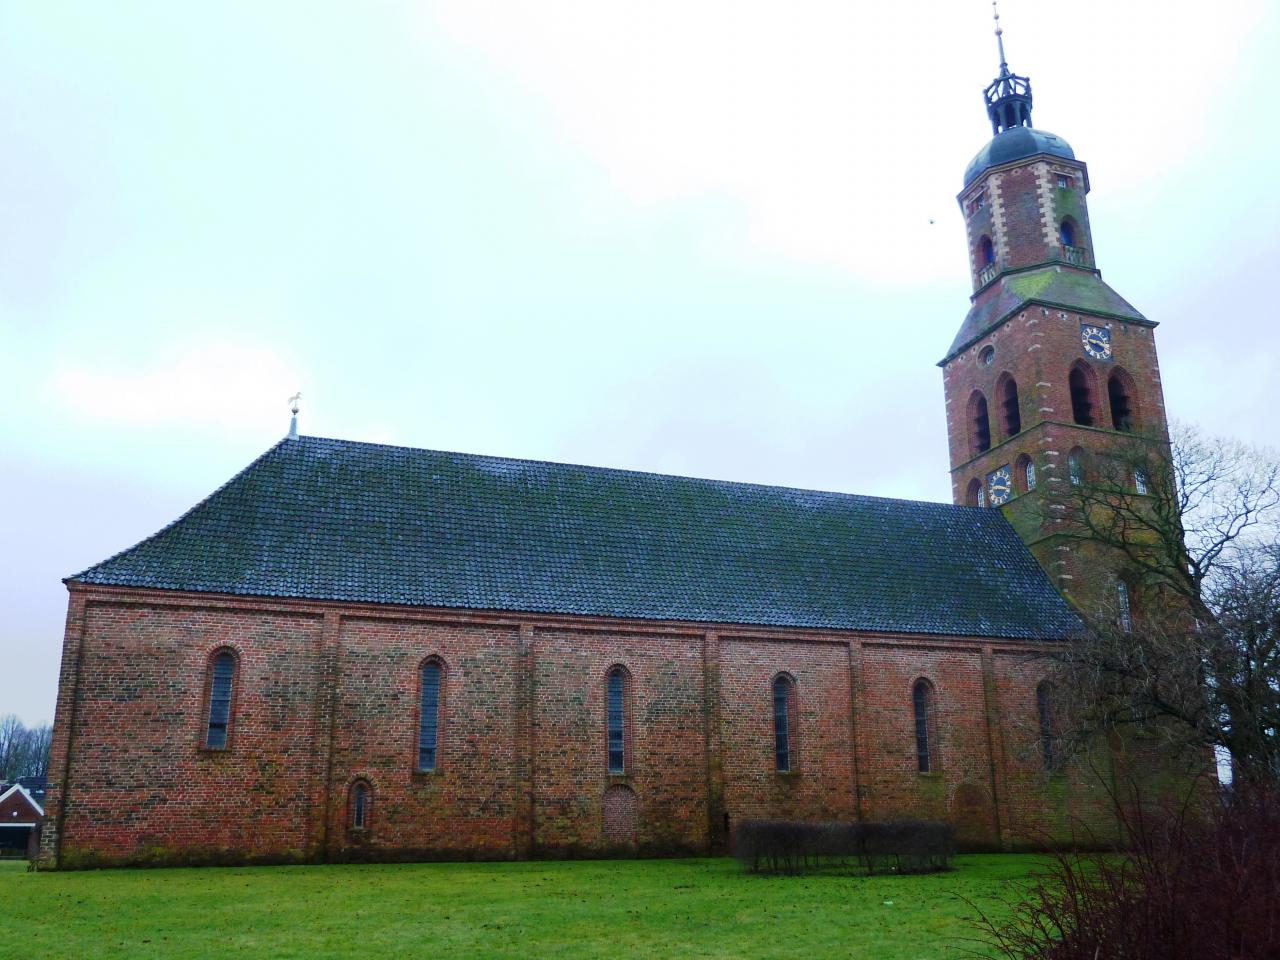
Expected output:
{"points": [[885, 846]]}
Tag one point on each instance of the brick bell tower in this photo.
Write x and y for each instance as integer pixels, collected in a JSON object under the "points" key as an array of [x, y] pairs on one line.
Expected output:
{"points": [[1051, 368]]}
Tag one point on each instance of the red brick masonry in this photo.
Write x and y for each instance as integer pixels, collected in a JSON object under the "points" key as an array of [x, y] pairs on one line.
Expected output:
{"points": [[327, 693]]}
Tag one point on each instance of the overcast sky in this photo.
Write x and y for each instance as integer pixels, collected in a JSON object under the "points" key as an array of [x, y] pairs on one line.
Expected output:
{"points": [[714, 238]]}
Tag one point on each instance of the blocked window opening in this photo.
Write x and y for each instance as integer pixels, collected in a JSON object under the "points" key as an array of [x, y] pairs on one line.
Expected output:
{"points": [[361, 804], [1048, 732]]}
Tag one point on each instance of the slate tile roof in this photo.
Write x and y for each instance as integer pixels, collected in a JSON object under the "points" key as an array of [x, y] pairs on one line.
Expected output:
{"points": [[336, 520], [1079, 292]]}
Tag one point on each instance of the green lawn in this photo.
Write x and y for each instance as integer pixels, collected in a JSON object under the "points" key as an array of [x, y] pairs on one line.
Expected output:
{"points": [[565, 910]]}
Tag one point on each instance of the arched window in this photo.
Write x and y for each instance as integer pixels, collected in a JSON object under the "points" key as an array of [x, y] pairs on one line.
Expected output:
{"points": [[1080, 380], [1068, 233], [979, 424], [430, 698], [360, 805], [1120, 394], [1026, 472], [1123, 608], [987, 252], [1010, 413], [784, 722], [616, 719], [923, 708], [1140, 480], [1048, 725], [1075, 466], [222, 672], [974, 496]]}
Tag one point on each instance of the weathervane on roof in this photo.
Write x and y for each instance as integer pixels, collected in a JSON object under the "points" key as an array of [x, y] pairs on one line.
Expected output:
{"points": [[293, 423], [995, 9]]}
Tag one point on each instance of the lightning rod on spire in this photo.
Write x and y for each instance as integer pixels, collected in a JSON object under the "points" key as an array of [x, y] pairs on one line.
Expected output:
{"points": [[995, 9], [293, 422]]}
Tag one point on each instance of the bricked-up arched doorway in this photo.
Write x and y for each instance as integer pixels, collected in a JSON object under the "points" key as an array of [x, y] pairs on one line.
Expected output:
{"points": [[619, 813]]}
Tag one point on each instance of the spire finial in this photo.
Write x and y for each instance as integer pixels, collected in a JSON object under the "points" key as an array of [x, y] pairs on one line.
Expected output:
{"points": [[995, 10], [293, 423]]}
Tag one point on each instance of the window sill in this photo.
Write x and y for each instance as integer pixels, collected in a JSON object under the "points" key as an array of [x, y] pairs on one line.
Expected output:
{"points": [[426, 774], [213, 751]]}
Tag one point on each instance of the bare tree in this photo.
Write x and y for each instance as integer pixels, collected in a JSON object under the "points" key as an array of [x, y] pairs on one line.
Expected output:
{"points": [[1187, 646]]}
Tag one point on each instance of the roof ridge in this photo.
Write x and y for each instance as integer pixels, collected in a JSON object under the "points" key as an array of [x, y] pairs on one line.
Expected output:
{"points": [[873, 498], [173, 523]]}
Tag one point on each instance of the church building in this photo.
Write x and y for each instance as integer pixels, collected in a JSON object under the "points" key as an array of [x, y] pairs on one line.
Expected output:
{"points": [[356, 651]]}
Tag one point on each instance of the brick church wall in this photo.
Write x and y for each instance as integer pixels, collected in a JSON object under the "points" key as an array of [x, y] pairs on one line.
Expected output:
{"points": [[328, 694]]}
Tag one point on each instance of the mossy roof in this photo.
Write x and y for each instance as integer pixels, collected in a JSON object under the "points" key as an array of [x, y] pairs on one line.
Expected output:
{"points": [[335, 520], [1063, 288]]}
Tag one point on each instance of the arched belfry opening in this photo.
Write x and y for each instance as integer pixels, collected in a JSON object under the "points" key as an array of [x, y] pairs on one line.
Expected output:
{"points": [[1081, 383], [979, 424]]}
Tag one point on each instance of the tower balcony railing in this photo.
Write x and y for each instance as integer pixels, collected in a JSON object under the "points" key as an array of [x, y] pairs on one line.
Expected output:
{"points": [[1077, 256], [986, 274]]}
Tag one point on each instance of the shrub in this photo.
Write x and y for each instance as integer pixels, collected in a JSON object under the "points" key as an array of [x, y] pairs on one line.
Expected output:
{"points": [[1190, 886], [893, 846]]}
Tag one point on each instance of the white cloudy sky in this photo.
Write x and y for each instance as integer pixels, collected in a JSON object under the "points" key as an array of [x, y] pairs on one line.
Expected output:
{"points": [[708, 237]]}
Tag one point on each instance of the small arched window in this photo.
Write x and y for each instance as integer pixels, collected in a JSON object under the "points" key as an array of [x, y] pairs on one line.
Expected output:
{"points": [[1026, 470], [923, 708], [616, 719], [1080, 381], [1068, 233], [987, 252], [360, 805], [1123, 607], [1075, 466], [1120, 394], [1048, 725], [974, 496], [784, 725], [222, 672], [979, 424], [1010, 412], [1140, 480], [430, 698]]}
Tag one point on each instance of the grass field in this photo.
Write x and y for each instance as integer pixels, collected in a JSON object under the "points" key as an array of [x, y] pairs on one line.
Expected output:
{"points": [[566, 910]]}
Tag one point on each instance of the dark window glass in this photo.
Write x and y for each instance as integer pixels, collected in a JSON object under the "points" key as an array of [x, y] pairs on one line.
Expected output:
{"points": [[920, 698], [617, 722], [782, 724], [1044, 703], [359, 805], [1068, 234], [224, 669], [429, 725]]}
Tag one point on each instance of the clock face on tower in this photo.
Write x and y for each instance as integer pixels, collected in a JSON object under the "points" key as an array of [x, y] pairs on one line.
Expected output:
{"points": [[1096, 340], [999, 485]]}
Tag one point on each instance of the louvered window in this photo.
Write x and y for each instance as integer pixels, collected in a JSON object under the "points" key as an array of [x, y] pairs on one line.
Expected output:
{"points": [[224, 671], [429, 722]]}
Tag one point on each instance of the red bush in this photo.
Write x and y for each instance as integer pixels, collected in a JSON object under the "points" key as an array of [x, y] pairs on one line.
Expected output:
{"points": [[1193, 886]]}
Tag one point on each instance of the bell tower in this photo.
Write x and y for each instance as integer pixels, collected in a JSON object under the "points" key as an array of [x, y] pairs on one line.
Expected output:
{"points": [[1051, 369]]}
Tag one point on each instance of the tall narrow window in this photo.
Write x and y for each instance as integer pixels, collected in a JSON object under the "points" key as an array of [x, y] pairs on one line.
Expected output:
{"points": [[220, 689], [1122, 606], [429, 718], [1081, 387], [979, 424], [1118, 392], [975, 496], [1048, 733], [617, 720], [1140, 480], [1068, 232], [361, 805], [1075, 467], [783, 722], [1010, 412], [922, 703], [988, 252]]}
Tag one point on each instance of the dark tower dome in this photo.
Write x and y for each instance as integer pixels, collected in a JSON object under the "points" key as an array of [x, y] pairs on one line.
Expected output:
{"points": [[1016, 143]]}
